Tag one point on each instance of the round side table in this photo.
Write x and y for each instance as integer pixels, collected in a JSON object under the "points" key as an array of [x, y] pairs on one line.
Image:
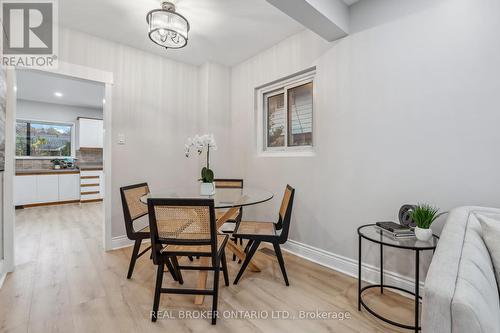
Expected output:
{"points": [[374, 234]]}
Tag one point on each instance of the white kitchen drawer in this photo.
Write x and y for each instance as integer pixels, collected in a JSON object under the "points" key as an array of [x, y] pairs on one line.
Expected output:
{"points": [[84, 189], [85, 173], [86, 181], [85, 197]]}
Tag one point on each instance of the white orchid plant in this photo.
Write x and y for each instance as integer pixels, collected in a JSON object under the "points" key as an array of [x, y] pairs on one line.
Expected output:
{"points": [[200, 143]]}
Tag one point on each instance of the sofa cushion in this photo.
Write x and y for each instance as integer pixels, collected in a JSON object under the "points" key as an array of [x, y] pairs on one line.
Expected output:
{"points": [[461, 294], [490, 226], [475, 304]]}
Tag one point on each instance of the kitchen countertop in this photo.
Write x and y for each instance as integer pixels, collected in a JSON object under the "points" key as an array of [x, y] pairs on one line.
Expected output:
{"points": [[20, 172], [83, 167]]}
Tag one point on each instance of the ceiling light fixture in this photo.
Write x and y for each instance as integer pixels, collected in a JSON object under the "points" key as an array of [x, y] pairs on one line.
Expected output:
{"points": [[58, 94], [168, 28]]}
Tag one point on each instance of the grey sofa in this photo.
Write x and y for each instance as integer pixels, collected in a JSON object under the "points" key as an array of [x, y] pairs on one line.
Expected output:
{"points": [[461, 293]]}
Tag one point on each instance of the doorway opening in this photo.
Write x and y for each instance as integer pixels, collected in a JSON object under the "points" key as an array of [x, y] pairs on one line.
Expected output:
{"points": [[61, 160]]}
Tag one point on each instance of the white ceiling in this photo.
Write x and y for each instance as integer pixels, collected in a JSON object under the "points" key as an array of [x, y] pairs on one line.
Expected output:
{"points": [[350, 2], [222, 31], [41, 86]]}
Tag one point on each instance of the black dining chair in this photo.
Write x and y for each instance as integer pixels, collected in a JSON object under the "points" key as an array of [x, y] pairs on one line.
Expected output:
{"points": [[230, 224], [134, 209], [275, 233], [229, 184], [186, 227]]}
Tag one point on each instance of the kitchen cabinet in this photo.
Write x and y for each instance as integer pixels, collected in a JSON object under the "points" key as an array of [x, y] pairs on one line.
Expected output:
{"points": [[69, 187], [90, 133], [25, 190], [47, 188]]}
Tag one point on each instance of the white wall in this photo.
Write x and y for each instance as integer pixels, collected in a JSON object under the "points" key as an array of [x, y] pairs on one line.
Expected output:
{"points": [[407, 110], [215, 116], [155, 105], [414, 78]]}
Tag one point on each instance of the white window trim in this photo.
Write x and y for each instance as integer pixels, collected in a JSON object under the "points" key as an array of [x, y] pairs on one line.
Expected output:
{"points": [[280, 86], [73, 136]]}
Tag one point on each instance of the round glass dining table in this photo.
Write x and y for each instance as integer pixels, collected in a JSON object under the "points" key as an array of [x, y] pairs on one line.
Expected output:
{"points": [[227, 198], [223, 197]]}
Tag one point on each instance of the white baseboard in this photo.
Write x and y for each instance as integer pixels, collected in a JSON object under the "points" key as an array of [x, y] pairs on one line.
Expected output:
{"points": [[121, 242], [2, 279], [348, 266], [3, 274]]}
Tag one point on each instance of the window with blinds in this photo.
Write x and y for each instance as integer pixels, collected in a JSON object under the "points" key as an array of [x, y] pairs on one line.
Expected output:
{"points": [[288, 115]]}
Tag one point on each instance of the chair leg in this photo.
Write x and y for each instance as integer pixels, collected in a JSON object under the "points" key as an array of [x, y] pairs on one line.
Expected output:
{"points": [[250, 241], [177, 270], [235, 242], [172, 270], [156, 302], [216, 292], [224, 268], [279, 255], [135, 252], [247, 247], [248, 257]]}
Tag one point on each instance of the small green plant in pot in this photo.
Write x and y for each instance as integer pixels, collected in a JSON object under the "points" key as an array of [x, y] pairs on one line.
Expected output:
{"points": [[424, 215], [58, 163]]}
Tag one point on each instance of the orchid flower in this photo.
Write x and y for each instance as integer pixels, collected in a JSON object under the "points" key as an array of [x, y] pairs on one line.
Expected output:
{"points": [[199, 143]]}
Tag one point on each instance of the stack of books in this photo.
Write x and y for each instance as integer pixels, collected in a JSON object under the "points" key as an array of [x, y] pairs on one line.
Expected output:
{"points": [[395, 230]]}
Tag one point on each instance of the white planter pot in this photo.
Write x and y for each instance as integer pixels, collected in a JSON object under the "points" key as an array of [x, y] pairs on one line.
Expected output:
{"points": [[423, 234], [207, 189]]}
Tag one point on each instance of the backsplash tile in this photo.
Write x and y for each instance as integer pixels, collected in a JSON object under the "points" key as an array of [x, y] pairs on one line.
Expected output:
{"points": [[93, 156], [32, 164], [89, 155]]}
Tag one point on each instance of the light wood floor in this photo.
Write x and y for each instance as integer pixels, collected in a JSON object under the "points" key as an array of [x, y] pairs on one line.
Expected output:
{"points": [[65, 282]]}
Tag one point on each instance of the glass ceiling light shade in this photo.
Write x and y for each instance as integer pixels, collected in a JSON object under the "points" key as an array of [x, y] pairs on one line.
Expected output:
{"points": [[168, 28]]}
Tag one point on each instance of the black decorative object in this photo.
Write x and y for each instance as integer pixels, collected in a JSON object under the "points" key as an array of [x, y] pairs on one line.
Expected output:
{"points": [[404, 216]]}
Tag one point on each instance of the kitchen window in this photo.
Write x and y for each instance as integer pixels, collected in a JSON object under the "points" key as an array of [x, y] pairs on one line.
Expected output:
{"points": [[40, 139], [286, 109]]}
